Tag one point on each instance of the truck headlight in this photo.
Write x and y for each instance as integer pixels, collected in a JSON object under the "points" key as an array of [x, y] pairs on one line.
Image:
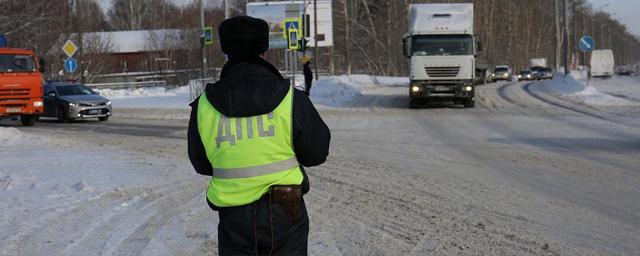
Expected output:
{"points": [[37, 103], [468, 88], [415, 88], [519, 76]]}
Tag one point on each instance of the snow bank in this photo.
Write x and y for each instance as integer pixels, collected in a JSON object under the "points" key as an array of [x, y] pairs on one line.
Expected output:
{"points": [[10, 136], [574, 88], [338, 91], [142, 92], [150, 97], [330, 91]]}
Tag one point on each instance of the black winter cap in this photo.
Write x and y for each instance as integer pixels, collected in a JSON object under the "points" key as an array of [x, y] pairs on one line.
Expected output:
{"points": [[244, 36]]}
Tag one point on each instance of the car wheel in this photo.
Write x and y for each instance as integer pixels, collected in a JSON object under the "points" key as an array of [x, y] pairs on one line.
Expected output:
{"points": [[62, 115], [28, 120], [102, 119]]}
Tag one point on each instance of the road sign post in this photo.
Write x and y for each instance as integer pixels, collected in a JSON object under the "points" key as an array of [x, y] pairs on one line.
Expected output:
{"points": [[587, 44]]}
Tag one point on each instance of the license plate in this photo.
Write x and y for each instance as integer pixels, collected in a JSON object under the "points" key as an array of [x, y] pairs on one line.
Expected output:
{"points": [[442, 88], [13, 110], [94, 112]]}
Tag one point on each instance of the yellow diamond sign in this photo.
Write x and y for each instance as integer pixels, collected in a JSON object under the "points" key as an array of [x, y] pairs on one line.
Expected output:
{"points": [[69, 48]]}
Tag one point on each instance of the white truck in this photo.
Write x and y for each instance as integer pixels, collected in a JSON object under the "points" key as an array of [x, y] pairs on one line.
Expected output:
{"points": [[602, 63], [441, 48]]}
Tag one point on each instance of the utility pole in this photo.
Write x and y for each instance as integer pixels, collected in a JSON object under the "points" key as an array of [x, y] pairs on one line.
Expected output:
{"points": [[347, 37], [567, 38], [226, 9], [602, 35], [203, 72], [557, 24], [315, 32]]}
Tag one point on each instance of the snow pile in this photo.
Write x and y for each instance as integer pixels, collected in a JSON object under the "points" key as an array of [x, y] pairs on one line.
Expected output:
{"points": [[142, 92], [575, 89], [150, 97], [338, 91], [10, 136]]}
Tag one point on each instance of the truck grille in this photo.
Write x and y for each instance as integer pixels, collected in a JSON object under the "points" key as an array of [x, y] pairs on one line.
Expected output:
{"points": [[10, 93], [442, 71]]}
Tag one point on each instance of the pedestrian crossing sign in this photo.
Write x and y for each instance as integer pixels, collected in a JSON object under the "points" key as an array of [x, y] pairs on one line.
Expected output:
{"points": [[292, 39], [289, 24]]}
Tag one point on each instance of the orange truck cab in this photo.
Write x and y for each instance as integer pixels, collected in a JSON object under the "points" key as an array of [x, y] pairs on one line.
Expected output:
{"points": [[20, 85]]}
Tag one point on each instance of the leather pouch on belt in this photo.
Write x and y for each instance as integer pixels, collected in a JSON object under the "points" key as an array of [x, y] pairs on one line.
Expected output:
{"points": [[289, 197]]}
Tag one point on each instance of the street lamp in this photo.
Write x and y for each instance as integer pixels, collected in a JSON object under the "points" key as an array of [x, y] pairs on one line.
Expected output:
{"points": [[593, 21]]}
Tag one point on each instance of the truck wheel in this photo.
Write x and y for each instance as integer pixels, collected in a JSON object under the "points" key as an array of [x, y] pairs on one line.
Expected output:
{"points": [[62, 116], [28, 120], [470, 103]]}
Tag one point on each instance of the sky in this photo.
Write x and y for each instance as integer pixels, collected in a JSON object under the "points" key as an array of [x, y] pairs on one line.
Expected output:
{"points": [[627, 11]]}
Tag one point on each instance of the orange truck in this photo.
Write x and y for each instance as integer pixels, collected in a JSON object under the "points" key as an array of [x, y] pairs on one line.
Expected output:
{"points": [[20, 84]]}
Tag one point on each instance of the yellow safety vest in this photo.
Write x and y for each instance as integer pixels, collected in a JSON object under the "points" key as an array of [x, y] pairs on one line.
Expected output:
{"points": [[248, 154]]}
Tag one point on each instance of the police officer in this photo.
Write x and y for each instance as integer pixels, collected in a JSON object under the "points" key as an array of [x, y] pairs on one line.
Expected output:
{"points": [[253, 133]]}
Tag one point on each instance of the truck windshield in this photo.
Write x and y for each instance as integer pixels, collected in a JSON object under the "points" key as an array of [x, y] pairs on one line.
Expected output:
{"points": [[442, 45], [74, 89], [17, 63]]}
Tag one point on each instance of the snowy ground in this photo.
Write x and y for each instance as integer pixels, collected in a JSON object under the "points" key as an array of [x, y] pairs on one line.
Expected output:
{"points": [[534, 169]]}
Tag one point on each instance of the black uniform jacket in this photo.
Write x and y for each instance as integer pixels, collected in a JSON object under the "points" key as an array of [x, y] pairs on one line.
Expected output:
{"points": [[250, 86]]}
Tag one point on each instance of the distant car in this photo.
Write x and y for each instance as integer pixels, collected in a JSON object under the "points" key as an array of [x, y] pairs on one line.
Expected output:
{"points": [[501, 73], [525, 75], [73, 101], [544, 74]]}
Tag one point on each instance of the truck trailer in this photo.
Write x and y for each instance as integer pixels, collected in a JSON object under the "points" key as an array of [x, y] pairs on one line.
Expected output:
{"points": [[20, 84], [441, 48]]}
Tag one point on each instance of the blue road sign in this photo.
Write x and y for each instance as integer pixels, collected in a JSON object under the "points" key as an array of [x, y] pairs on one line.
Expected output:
{"points": [[71, 65], [587, 44], [293, 39], [208, 35], [291, 23], [3, 41]]}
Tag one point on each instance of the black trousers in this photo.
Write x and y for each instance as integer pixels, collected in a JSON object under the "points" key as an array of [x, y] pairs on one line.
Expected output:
{"points": [[262, 228]]}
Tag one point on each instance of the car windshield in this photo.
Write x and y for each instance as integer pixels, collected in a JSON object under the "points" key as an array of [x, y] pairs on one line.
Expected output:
{"points": [[501, 70], [17, 63], [74, 89], [525, 72], [442, 45]]}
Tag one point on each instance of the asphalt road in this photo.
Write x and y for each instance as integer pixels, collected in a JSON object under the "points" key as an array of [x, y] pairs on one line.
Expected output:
{"points": [[523, 173]]}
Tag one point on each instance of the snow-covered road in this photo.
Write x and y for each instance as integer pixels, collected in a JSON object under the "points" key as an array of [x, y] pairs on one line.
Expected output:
{"points": [[526, 172]]}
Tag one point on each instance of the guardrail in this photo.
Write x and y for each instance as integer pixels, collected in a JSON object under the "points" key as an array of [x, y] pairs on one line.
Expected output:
{"points": [[127, 85]]}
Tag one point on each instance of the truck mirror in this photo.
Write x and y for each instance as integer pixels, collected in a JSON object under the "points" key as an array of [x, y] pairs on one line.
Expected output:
{"points": [[479, 46], [405, 48], [43, 64]]}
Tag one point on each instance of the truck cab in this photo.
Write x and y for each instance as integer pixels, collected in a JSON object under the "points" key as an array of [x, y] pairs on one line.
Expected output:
{"points": [[20, 85], [441, 49]]}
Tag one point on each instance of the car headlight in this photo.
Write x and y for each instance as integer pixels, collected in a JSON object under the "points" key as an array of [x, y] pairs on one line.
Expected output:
{"points": [[37, 103], [108, 103], [519, 76], [71, 104], [415, 88]]}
